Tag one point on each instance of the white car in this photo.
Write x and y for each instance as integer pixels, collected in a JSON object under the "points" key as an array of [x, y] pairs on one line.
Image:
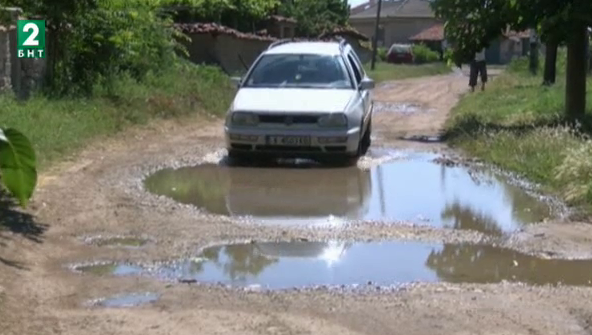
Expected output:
{"points": [[302, 100]]}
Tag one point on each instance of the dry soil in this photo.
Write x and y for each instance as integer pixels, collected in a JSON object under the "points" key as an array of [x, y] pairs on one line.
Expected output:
{"points": [[99, 192]]}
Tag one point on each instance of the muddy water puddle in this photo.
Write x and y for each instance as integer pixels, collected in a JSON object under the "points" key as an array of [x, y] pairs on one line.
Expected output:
{"points": [[126, 300], [107, 268], [280, 265], [411, 188]]}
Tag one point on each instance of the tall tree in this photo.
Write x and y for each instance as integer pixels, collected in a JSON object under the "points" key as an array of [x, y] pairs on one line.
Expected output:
{"points": [[316, 16], [472, 24]]}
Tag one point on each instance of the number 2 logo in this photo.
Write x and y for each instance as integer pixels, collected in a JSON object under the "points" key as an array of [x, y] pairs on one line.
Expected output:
{"points": [[32, 39]]}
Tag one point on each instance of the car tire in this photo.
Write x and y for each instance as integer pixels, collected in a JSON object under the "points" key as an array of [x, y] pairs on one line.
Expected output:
{"points": [[366, 140], [237, 158]]}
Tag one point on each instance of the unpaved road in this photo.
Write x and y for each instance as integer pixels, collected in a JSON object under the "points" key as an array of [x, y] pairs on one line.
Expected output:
{"points": [[99, 192]]}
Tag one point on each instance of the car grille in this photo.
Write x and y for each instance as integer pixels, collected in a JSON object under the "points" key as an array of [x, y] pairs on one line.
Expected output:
{"points": [[288, 119]]}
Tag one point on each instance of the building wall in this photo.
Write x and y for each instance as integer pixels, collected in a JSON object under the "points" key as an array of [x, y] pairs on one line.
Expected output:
{"points": [[224, 51], [399, 30], [396, 30], [365, 27], [510, 49]]}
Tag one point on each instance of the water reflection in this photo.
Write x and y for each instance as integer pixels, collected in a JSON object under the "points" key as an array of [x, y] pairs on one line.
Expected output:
{"points": [[488, 264], [242, 264], [412, 190], [295, 264]]}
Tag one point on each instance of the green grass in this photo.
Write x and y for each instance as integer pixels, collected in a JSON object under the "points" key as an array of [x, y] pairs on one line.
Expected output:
{"points": [[386, 71], [60, 126], [516, 124]]}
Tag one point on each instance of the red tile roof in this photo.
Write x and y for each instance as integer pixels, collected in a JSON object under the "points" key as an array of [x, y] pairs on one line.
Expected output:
{"points": [[434, 33], [216, 29], [344, 31]]}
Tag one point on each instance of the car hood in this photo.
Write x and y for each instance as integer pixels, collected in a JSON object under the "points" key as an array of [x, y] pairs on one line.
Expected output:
{"points": [[292, 100]]}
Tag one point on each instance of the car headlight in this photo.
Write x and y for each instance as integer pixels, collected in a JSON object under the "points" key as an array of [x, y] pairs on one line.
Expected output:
{"points": [[244, 119], [336, 120]]}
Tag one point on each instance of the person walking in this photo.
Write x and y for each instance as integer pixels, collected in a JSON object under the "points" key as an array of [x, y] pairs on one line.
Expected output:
{"points": [[478, 68]]}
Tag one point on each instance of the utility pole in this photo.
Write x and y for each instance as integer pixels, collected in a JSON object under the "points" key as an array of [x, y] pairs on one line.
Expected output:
{"points": [[375, 39]]}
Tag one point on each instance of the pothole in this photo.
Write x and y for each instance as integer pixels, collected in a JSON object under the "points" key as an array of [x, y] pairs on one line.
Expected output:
{"points": [[415, 189], [117, 241], [282, 265], [126, 300]]}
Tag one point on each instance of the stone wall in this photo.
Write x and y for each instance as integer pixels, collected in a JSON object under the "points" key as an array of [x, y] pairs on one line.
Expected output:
{"points": [[5, 67], [225, 51], [222, 46], [235, 52], [22, 75]]}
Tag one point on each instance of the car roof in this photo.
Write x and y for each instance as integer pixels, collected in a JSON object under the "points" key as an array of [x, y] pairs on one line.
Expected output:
{"points": [[313, 48]]}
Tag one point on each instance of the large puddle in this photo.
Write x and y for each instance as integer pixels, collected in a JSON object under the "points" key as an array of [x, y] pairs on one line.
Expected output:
{"points": [[415, 190], [280, 265]]}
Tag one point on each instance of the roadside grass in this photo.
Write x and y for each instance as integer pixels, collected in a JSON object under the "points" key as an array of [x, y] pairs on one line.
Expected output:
{"points": [[57, 127], [386, 71], [518, 125]]}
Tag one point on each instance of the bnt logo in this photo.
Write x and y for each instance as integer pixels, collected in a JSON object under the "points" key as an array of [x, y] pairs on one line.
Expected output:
{"points": [[31, 38]]}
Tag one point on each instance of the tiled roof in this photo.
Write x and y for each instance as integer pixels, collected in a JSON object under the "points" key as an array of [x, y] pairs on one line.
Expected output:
{"points": [[433, 33], [216, 29], [399, 9], [345, 31]]}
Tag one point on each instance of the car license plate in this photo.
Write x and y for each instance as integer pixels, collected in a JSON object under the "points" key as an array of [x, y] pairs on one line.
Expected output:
{"points": [[289, 140]]}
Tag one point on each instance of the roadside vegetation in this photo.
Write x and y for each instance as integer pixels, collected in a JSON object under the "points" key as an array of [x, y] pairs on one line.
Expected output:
{"points": [[386, 71], [519, 124], [426, 63]]}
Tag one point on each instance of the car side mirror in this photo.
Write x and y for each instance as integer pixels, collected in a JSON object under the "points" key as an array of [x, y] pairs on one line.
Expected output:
{"points": [[236, 81], [367, 84]]}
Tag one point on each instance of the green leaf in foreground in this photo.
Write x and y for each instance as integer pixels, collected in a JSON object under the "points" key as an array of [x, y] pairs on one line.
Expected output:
{"points": [[18, 166]]}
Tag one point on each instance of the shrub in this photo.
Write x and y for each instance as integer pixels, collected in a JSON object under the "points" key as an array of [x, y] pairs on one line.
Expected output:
{"points": [[575, 173], [382, 53], [422, 54], [107, 43]]}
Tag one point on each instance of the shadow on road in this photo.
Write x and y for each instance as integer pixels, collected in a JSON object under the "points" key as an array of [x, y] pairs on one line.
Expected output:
{"points": [[15, 221]]}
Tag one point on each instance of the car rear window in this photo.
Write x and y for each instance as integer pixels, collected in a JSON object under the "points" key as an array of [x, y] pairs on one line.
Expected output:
{"points": [[299, 71], [400, 48]]}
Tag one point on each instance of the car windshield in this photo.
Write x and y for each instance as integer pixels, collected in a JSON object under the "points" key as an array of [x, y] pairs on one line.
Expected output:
{"points": [[299, 71]]}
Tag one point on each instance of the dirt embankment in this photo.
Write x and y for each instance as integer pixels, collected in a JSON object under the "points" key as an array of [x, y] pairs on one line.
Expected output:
{"points": [[99, 192]]}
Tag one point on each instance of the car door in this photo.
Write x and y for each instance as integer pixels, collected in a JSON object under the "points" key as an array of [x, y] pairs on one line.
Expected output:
{"points": [[368, 93], [358, 76]]}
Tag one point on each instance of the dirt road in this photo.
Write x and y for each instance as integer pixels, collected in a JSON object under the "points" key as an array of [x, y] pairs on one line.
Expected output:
{"points": [[100, 192]]}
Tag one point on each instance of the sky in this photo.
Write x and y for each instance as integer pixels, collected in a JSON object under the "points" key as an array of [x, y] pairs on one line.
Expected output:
{"points": [[356, 2]]}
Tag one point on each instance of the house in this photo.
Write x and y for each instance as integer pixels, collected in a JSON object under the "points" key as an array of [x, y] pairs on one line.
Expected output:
{"points": [[281, 27], [502, 50], [400, 19], [414, 21]]}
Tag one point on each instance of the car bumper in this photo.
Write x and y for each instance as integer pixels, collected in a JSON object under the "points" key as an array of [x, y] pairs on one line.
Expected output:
{"points": [[322, 142]]}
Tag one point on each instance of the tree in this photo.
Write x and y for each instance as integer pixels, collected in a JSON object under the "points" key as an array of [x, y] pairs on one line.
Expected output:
{"points": [[472, 24], [18, 165], [316, 16]]}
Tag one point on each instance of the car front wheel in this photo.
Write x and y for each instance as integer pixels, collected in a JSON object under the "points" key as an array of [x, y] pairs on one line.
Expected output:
{"points": [[366, 140]]}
